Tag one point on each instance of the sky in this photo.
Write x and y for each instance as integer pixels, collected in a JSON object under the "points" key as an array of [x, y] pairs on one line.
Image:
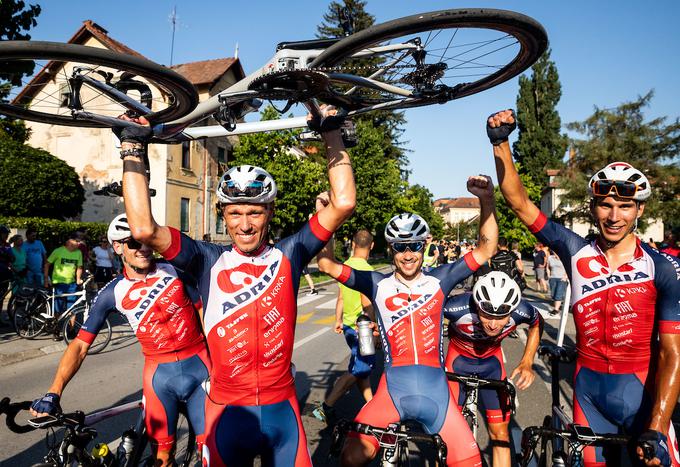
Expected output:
{"points": [[606, 53]]}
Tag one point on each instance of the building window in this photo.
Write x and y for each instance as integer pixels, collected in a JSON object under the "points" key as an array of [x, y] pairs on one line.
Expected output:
{"points": [[186, 155], [221, 154], [184, 215], [219, 228]]}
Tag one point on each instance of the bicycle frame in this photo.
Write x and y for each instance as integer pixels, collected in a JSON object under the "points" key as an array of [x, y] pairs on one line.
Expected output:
{"points": [[82, 298], [283, 60]]}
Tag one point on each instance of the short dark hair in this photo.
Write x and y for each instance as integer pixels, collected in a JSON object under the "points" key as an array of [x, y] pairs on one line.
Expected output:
{"points": [[362, 239], [72, 236], [502, 241], [31, 230]]}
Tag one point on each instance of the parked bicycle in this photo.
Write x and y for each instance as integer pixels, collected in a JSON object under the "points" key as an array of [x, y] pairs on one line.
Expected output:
{"points": [[35, 314], [423, 59], [393, 441], [74, 447]]}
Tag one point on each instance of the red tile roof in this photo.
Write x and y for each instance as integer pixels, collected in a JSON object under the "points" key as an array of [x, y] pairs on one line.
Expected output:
{"points": [[460, 203], [209, 71]]}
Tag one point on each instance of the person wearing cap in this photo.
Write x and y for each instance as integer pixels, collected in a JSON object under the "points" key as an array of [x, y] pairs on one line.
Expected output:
{"points": [[625, 302], [161, 310], [249, 292], [478, 323], [408, 306]]}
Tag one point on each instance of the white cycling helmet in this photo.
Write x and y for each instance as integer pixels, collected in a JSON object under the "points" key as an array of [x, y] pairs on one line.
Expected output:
{"points": [[246, 184], [496, 294], [118, 229], [406, 227], [620, 172]]}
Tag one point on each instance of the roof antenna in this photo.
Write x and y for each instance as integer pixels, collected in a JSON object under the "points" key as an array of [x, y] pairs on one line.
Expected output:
{"points": [[173, 20], [236, 52]]}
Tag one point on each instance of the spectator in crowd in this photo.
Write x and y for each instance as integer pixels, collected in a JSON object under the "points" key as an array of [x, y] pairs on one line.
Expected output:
{"points": [[652, 243], [207, 238], [19, 264], [68, 269], [6, 260], [103, 257], [35, 258], [431, 255], [671, 246], [520, 263], [81, 238], [310, 282], [558, 281], [441, 256], [540, 263]]}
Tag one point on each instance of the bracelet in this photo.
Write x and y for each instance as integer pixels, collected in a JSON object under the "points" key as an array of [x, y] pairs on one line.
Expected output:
{"points": [[134, 166], [135, 152], [330, 166]]}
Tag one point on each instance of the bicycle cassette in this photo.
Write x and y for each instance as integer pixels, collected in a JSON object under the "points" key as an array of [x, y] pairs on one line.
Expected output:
{"points": [[292, 85]]}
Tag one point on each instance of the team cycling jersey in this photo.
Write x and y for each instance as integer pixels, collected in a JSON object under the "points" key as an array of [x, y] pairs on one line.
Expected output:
{"points": [[158, 308], [250, 311], [410, 317], [617, 312], [466, 333]]}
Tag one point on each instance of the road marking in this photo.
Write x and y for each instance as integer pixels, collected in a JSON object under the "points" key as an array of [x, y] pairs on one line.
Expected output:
{"points": [[306, 299], [329, 305], [326, 320], [304, 318], [311, 337]]}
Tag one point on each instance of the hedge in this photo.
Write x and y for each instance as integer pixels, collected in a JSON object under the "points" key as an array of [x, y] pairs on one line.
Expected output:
{"points": [[53, 232]]}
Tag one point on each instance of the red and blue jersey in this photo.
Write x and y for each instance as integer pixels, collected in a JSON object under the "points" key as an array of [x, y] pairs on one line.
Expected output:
{"points": [[466, 334], [159, 309], [250, 310], [618, 312], [410, 317]]}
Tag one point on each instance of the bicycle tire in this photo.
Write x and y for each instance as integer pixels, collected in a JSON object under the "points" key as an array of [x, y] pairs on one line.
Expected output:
{"points": [[185, 446], [530, 36], [28, 324], [182, 94], [545, 455], [71, 329]]}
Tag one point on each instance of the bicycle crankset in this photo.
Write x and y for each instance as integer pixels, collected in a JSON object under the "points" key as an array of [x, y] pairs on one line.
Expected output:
{"points": [[291, 85]]}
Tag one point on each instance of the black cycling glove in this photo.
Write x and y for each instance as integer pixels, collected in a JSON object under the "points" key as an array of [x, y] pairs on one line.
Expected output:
{"points": [[133, 134], [49, 403], [324, 124], [655, 444], [500, 134]]}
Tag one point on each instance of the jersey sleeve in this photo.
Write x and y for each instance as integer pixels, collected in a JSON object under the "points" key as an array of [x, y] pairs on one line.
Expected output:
{"points": [[667, 282], [526, 313], [189, 256], [302, 246], [456, 307], [454, 273], [53, 257], [364, 282], [565, 242], [103, 304]]}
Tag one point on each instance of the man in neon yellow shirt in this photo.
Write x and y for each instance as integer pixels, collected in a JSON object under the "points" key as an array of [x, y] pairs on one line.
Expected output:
{"points": [[349, 306], [68, 269]]}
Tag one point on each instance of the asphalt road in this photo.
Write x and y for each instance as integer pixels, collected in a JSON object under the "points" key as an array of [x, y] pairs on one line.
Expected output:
{"points": [[320, 356]]}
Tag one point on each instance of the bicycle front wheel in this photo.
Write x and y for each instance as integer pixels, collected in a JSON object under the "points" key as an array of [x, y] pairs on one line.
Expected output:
{"points": [[73, 323], [95, 82], [430, 58], [29, 316]]}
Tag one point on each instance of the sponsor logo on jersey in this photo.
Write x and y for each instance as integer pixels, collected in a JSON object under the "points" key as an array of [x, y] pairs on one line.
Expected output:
{"points": [[148, 296], [243, 275], [416, 303], [248, 289], [399, 301], [137, 292], [590, 267], [613, 279]]}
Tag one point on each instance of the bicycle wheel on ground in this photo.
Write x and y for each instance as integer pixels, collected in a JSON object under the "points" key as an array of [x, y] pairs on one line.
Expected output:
{"points": [[28, 317], [185, 447], [545, 458], [431, 57], [63, 78], [73, 323]]}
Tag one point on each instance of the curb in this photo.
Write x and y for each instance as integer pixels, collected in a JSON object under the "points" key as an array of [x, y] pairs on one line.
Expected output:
{"points": [[15, 357]]}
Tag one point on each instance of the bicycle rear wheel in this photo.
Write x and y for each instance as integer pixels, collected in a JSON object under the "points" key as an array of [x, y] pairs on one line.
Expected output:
{"points": [[185, 447], [27, 319], [45, 96], [71, 328], [443, 55]]}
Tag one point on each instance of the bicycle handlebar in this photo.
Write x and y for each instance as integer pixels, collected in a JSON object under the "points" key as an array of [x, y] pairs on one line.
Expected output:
{"points": [[11, 410], [554, 352], [472, 381]]}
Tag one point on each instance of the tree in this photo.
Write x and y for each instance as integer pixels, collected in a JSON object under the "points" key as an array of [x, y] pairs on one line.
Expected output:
{"points": [[15, 20], [418, 199], [623, 134], [34, 183], [540, 145], [509, 225]]}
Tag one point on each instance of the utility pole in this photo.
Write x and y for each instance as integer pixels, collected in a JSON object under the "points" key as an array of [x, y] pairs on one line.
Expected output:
{"points": [[173, 21]]}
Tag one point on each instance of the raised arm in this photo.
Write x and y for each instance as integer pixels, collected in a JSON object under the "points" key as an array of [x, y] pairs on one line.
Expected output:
{"points": [[482, 187], [136, 190], [499, 126], [342, 195]]}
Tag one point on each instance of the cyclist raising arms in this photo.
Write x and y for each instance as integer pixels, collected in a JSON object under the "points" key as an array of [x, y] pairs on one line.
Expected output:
{"points": [[478, 322], [626, 305], [153, 299], [408, 305], [249, 294]]}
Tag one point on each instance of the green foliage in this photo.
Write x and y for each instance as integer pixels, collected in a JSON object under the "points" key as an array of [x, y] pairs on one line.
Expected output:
{"points": [[35, 183], [52, 232], [509, 225], [623, 134], [462, 231], [540, 145], [418, 199], [15, 20], [331, 20]]}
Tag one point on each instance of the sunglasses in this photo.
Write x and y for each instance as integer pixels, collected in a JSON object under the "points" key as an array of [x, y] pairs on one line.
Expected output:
{"points": [[489, 309], [622, 188], [253, 189], [131, 243], [401, 247]]}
